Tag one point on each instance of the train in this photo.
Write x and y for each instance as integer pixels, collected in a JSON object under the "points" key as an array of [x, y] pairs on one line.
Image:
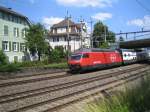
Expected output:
{"points": [[96, 58]]}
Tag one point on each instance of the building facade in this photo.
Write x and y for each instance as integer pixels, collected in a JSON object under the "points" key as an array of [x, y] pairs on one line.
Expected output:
{"points": [[12, 34], [58, 35]]}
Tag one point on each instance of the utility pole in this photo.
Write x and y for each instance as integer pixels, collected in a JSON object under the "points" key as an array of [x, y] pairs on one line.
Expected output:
{"points": [[105, 34], [68, 37], [81, 22], [91, 38]]}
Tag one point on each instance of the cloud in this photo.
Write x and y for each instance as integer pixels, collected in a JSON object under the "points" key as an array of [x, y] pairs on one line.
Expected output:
{"points": [[142, 22], [102, 16], [49, 21], [86, 3]]}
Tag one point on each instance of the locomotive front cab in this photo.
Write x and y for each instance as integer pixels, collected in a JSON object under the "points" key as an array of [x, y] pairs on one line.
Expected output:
{"points": [[78, 61], [74, 62]]}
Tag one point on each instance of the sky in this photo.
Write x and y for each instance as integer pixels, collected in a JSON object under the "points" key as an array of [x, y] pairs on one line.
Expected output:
{"points": [[118, 15]]}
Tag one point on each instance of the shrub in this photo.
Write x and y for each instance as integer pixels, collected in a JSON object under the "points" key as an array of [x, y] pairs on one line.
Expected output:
{"points": [[55, 56], [3, 58], [9, 68]]}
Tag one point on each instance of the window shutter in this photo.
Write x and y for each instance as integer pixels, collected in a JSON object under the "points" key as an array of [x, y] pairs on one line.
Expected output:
{"points": [[17, 32], [2, 46], [18, 46], [14, 31], [13, 46], [9, 46]]}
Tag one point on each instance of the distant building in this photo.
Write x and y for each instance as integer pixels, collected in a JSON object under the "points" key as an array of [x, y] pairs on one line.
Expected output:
{"points": [[12, 34], [58, 35]]}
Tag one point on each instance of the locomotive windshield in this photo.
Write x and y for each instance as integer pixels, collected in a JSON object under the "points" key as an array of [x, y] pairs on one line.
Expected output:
{"points": [[76, 57]]}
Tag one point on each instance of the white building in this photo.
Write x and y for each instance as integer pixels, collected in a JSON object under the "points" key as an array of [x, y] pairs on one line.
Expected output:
{"points": [[58, 35]]}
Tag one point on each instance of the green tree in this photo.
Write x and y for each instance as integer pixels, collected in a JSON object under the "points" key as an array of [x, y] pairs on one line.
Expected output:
{"points": [[99, 34], [61, 51], [3, 58], [57, 54], [35, 40], [104, 45]]}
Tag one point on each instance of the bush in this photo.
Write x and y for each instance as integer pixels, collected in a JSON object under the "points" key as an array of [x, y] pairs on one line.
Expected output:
{"points": [[3, 58], [9, 67], [55, 56]]}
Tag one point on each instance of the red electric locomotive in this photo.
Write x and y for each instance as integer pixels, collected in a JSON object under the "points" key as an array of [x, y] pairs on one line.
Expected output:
{"points": [[94, 58]]}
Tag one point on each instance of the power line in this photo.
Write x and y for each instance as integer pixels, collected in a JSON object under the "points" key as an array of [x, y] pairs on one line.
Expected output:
{"points": [[148, 10]]}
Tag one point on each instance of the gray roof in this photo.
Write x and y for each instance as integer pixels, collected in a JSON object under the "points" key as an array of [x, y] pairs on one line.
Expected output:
{"points": [[63, 23], [9, 10]]}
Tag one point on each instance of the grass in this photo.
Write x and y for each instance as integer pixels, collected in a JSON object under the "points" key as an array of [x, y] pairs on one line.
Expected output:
{"points": [[13, 67], [132, 100], [57, 65]]}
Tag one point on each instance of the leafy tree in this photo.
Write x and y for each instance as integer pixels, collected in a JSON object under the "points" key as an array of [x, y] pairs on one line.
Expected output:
{"points": [[35, 40], [99, 34], [3, 58], [57, 54], [104, 45], [61, 51]]}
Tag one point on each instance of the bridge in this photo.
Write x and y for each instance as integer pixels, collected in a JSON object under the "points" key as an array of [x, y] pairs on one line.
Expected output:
{"points": [[138, 41], [135, 44]]}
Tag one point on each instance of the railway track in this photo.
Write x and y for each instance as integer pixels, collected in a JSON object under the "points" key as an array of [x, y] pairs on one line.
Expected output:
{"points": [[21, 95], [8, 76], [38, 98], [33, 78], [9, 87]]}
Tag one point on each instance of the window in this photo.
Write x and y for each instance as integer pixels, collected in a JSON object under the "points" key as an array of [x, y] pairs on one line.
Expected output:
{"points": [[23, 33], [5, 30], [3, 16], [10, 17], [76, 57], [77, 39], [55, 39], [65, 38], [15, 46], [5, 46], [24, 58], [125, 55], [0, 14], [16, 32], [85, 55], [22, 47], [15, 19], [15, 58]]}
